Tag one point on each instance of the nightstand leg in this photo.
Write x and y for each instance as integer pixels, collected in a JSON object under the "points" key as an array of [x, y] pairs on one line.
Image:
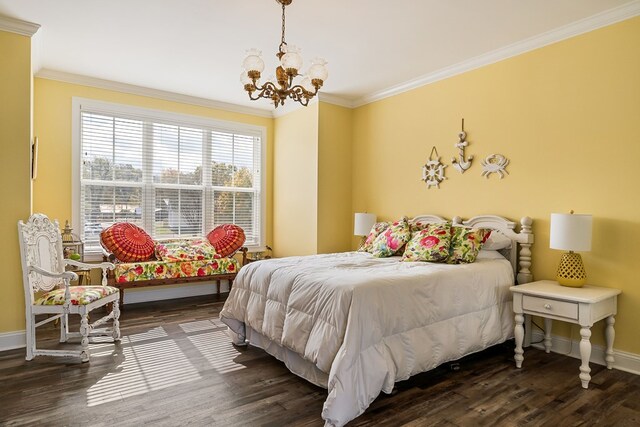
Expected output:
{"points": [[610, 334], [585, 355], [547, 335], [518, 332]]}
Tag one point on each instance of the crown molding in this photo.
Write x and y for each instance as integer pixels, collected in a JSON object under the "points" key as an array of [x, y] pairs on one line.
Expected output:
{"points": [[18, 26], [611, 16], [149, 92], [335, 100]]}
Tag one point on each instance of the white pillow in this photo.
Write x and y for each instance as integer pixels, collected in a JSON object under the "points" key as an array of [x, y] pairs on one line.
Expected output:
{"points": [[497, 241], [485, 254]]}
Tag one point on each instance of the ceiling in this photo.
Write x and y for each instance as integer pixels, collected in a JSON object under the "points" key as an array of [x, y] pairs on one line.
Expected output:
{"points": [[195, 47]]}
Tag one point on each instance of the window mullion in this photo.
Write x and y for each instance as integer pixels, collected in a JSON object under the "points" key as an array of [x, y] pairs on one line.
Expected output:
{"points": [[207, 205], [148, 191]]}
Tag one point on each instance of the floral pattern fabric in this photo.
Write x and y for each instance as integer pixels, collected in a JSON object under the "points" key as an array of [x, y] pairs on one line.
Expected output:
{"points": [[377, 228], [391, 241], [466, 243], [185, 250], [152, 270], [80, 295], [429, 244]]}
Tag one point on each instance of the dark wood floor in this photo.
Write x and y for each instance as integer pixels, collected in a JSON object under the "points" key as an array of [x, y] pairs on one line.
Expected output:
{"points": [[175, 366]]}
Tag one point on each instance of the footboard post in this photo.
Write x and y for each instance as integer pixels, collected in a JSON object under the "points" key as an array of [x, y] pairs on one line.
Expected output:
{"points": [[524, 259], [524, 274]]}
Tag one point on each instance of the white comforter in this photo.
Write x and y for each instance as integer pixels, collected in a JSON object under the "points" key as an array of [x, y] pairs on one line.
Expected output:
{"points": [[369, 322]]}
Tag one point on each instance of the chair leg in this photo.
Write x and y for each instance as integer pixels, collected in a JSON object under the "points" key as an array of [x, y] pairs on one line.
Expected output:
{"points": [[64, 327], [31, 336], [116, 321], [84, 333]]}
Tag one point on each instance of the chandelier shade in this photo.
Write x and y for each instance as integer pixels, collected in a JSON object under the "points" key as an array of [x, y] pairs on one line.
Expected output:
{"points": [[289, 68]]}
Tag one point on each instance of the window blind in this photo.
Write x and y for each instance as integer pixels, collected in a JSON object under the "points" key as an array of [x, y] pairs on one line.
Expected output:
{"points": [[172, 179]]}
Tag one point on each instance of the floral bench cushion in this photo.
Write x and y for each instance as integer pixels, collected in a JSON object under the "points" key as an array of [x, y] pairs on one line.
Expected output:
{"points": [[80, 295], [185, 250], [152, 270]]}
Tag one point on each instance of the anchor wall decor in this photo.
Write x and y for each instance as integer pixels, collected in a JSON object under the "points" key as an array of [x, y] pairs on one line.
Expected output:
{"points": [[462, 164]]}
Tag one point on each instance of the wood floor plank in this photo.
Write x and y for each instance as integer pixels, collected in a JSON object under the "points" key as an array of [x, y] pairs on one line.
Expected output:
{"points": [[175, 366]]}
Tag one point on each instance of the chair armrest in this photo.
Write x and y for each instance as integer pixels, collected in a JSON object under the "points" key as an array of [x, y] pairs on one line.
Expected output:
{"points": [[86, 266], [103, 265], [66, 275]]}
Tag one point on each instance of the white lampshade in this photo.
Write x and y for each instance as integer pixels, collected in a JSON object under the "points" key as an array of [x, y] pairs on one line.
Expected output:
{"points": [[363, 223], [571, 232]]}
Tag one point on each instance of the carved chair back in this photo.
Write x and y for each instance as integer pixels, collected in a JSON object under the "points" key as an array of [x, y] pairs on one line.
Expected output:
{"points": [[40, 246]]}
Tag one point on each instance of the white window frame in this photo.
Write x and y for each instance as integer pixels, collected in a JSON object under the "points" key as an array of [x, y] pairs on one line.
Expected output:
{"points": [[83, 104]]}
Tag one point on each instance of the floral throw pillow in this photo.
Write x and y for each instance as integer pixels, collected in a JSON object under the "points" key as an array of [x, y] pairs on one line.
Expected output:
{"points": [[390, 241], [185, 250], [377, 228], [466, 243], [429, 244]]}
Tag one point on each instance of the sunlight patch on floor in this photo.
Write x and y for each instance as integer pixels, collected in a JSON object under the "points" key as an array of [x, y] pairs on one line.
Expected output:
{"points": [[147, 366], [202, 325], [216, 347], [197, 326]]}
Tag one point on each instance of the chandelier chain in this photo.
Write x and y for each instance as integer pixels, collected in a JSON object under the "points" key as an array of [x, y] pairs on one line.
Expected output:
{"points": [[282, 42]]}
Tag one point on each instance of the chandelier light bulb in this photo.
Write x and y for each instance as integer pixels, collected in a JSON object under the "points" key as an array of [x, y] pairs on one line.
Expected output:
{"points": [[291, 58], [245, 79], [306, 83], [318, 69], [253, 61]]}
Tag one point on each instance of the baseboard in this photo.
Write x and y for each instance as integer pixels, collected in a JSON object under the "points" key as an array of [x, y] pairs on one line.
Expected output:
{"points": [[134, 296], [17, 339], [624, 361], [11, 340]]}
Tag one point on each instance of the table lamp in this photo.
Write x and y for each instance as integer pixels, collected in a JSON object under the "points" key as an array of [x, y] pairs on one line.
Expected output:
{"points": [[362, 224], [571, 232]]}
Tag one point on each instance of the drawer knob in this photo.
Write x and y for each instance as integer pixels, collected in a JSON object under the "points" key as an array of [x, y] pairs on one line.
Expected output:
{"points": [[547, 306]]}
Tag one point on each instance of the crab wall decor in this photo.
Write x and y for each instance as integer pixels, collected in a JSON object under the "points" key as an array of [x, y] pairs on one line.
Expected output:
{"points": [[494, 163], [462, 164], [433, 170]]}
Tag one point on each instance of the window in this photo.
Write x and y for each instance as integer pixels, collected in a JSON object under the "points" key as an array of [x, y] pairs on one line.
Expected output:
{"points": [[171, 174]]}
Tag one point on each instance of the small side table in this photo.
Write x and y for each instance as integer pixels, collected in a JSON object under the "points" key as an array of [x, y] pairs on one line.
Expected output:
{"points": [[583, 306]]}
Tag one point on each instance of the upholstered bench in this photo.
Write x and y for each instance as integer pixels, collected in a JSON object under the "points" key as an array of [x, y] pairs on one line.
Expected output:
{"points": [[140, 261]]}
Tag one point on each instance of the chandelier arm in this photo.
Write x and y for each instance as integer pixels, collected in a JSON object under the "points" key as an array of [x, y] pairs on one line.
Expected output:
{"points": [[265, 91]]}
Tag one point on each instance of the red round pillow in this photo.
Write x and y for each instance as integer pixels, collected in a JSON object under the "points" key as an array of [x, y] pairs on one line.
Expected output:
{"points": [[226, 239], [128, 242]]}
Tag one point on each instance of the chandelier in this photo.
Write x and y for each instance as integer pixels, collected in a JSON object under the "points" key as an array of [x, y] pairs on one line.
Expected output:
{"points": [[290, 65]]}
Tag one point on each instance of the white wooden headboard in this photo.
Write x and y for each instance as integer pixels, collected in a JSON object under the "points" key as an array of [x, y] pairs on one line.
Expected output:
{"points": [[519, 253]]}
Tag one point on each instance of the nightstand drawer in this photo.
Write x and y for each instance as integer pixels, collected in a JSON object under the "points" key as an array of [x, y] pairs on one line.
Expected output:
{"points": [[546, 306]]}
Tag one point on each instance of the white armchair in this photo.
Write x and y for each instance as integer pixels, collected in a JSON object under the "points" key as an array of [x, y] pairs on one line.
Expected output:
{"points": [[48, 291]]}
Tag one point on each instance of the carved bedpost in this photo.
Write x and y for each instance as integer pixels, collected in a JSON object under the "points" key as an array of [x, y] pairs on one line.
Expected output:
{"points": [[457, 220], [524, 274]]}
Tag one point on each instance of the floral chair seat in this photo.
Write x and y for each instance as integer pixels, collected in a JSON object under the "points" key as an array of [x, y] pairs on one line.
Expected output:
{"points": [[80, 295]]}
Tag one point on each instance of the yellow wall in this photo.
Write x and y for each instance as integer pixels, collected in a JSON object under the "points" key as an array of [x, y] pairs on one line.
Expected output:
{"points": [[335, 217], [52, 125], [15, 191], [568, 117], [295, 181]]}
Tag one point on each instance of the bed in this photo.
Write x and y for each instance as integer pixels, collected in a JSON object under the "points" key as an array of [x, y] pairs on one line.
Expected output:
{"points": [[355, 324]]}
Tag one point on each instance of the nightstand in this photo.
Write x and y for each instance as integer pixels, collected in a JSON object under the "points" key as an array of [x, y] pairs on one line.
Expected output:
{"points": [[583, 306]]}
